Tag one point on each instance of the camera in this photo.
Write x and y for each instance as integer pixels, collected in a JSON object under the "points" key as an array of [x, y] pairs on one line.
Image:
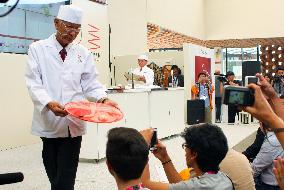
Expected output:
{"points": [[154, 140], [221, 77], [238, 95], [250, 79]]}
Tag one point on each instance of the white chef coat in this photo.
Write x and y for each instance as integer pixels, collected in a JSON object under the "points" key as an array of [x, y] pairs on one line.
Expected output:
{"points": [[146, 72], [48, 78]]}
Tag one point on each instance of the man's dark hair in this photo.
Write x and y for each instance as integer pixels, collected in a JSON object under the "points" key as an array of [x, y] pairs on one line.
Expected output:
{"points": [[127, 153], [174, 67], [201, 73], [230, 73], [210, 144], [279, 69]]}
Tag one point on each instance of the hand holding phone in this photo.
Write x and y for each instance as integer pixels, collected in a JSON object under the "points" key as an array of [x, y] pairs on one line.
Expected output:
{"points": [[154, 140]]}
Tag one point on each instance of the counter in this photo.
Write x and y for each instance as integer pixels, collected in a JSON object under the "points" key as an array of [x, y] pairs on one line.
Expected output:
{"points": [[161, 109]]}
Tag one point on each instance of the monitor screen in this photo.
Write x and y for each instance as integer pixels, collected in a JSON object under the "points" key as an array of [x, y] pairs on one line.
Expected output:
{"points": [[236, 97]]}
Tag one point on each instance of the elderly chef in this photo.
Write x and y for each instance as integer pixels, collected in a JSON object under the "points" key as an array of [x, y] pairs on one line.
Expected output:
{"points": [[59, 71]]}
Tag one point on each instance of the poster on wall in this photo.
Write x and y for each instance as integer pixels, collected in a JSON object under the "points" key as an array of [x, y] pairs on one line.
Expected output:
{"points": [[202, 64]]}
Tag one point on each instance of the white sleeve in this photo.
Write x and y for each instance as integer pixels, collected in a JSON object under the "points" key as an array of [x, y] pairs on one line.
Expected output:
{"points": [[92, 88], [149, 77], [34, 82]]}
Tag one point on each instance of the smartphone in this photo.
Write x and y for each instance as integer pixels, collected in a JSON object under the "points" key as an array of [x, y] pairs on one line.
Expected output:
{"points": [[154, 140], [250, 79], [238, 95]]}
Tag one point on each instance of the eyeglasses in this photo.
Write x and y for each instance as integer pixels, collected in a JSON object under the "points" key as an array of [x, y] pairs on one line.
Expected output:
{"points": [[184, 146], [69, 28]]}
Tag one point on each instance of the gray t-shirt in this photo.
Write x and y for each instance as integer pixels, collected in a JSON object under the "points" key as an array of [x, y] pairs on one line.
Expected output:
{"points": [[217, 181]]}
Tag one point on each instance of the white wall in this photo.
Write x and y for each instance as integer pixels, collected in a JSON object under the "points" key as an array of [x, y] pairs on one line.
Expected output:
{"points": [[16, 106], [184, 16], [237, 19], [96, 15], [190, 51], [128, 23]]}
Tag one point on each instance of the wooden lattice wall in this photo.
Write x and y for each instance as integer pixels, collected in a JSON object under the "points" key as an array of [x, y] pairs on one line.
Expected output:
{"points": [[272, 56]]}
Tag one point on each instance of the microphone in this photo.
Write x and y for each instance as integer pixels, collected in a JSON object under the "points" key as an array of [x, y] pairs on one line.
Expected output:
{"points": [[9, 178]]}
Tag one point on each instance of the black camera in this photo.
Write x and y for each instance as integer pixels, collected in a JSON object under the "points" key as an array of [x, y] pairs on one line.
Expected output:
{"points": [[238, 95], [154, 140], [221, 77]]}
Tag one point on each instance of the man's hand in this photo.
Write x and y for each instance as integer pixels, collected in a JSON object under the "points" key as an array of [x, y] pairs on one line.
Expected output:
{"points": [[57, 109], [261, 108], [233, 84], [278, 171], [266, 87], [147, 135], [109, 102], [161, 152], [142, 78]]}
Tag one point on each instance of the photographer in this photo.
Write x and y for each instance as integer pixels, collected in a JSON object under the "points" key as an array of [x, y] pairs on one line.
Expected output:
{"points": [[232, 109], [268, 107], [205, 147], [278, 82]]}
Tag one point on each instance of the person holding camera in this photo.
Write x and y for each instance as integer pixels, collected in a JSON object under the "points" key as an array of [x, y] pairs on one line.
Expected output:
{"points": [[203, 90], [278, 82], [205, 147], [232, 109], [268, 108]]}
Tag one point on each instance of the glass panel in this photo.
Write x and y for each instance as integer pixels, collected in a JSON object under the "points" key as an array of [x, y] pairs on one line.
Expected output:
{"points": [[250, 54], [235, 61], [27, 23], [223, 70]]}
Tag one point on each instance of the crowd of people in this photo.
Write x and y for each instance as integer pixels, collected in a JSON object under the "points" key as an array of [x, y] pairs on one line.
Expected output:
{"points": [[203, 90], [59, 71], [215, 166]]}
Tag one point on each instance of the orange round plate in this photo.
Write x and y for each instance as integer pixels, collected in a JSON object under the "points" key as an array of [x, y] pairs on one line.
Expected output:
{"points": [[94, 112]]}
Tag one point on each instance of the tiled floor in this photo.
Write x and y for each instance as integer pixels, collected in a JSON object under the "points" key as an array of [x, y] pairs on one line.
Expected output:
{"points": [[94, 176]]}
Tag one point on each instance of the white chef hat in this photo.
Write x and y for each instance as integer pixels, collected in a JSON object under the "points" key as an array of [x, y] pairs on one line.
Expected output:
{"points": [[143, 57], [70, 13]]}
